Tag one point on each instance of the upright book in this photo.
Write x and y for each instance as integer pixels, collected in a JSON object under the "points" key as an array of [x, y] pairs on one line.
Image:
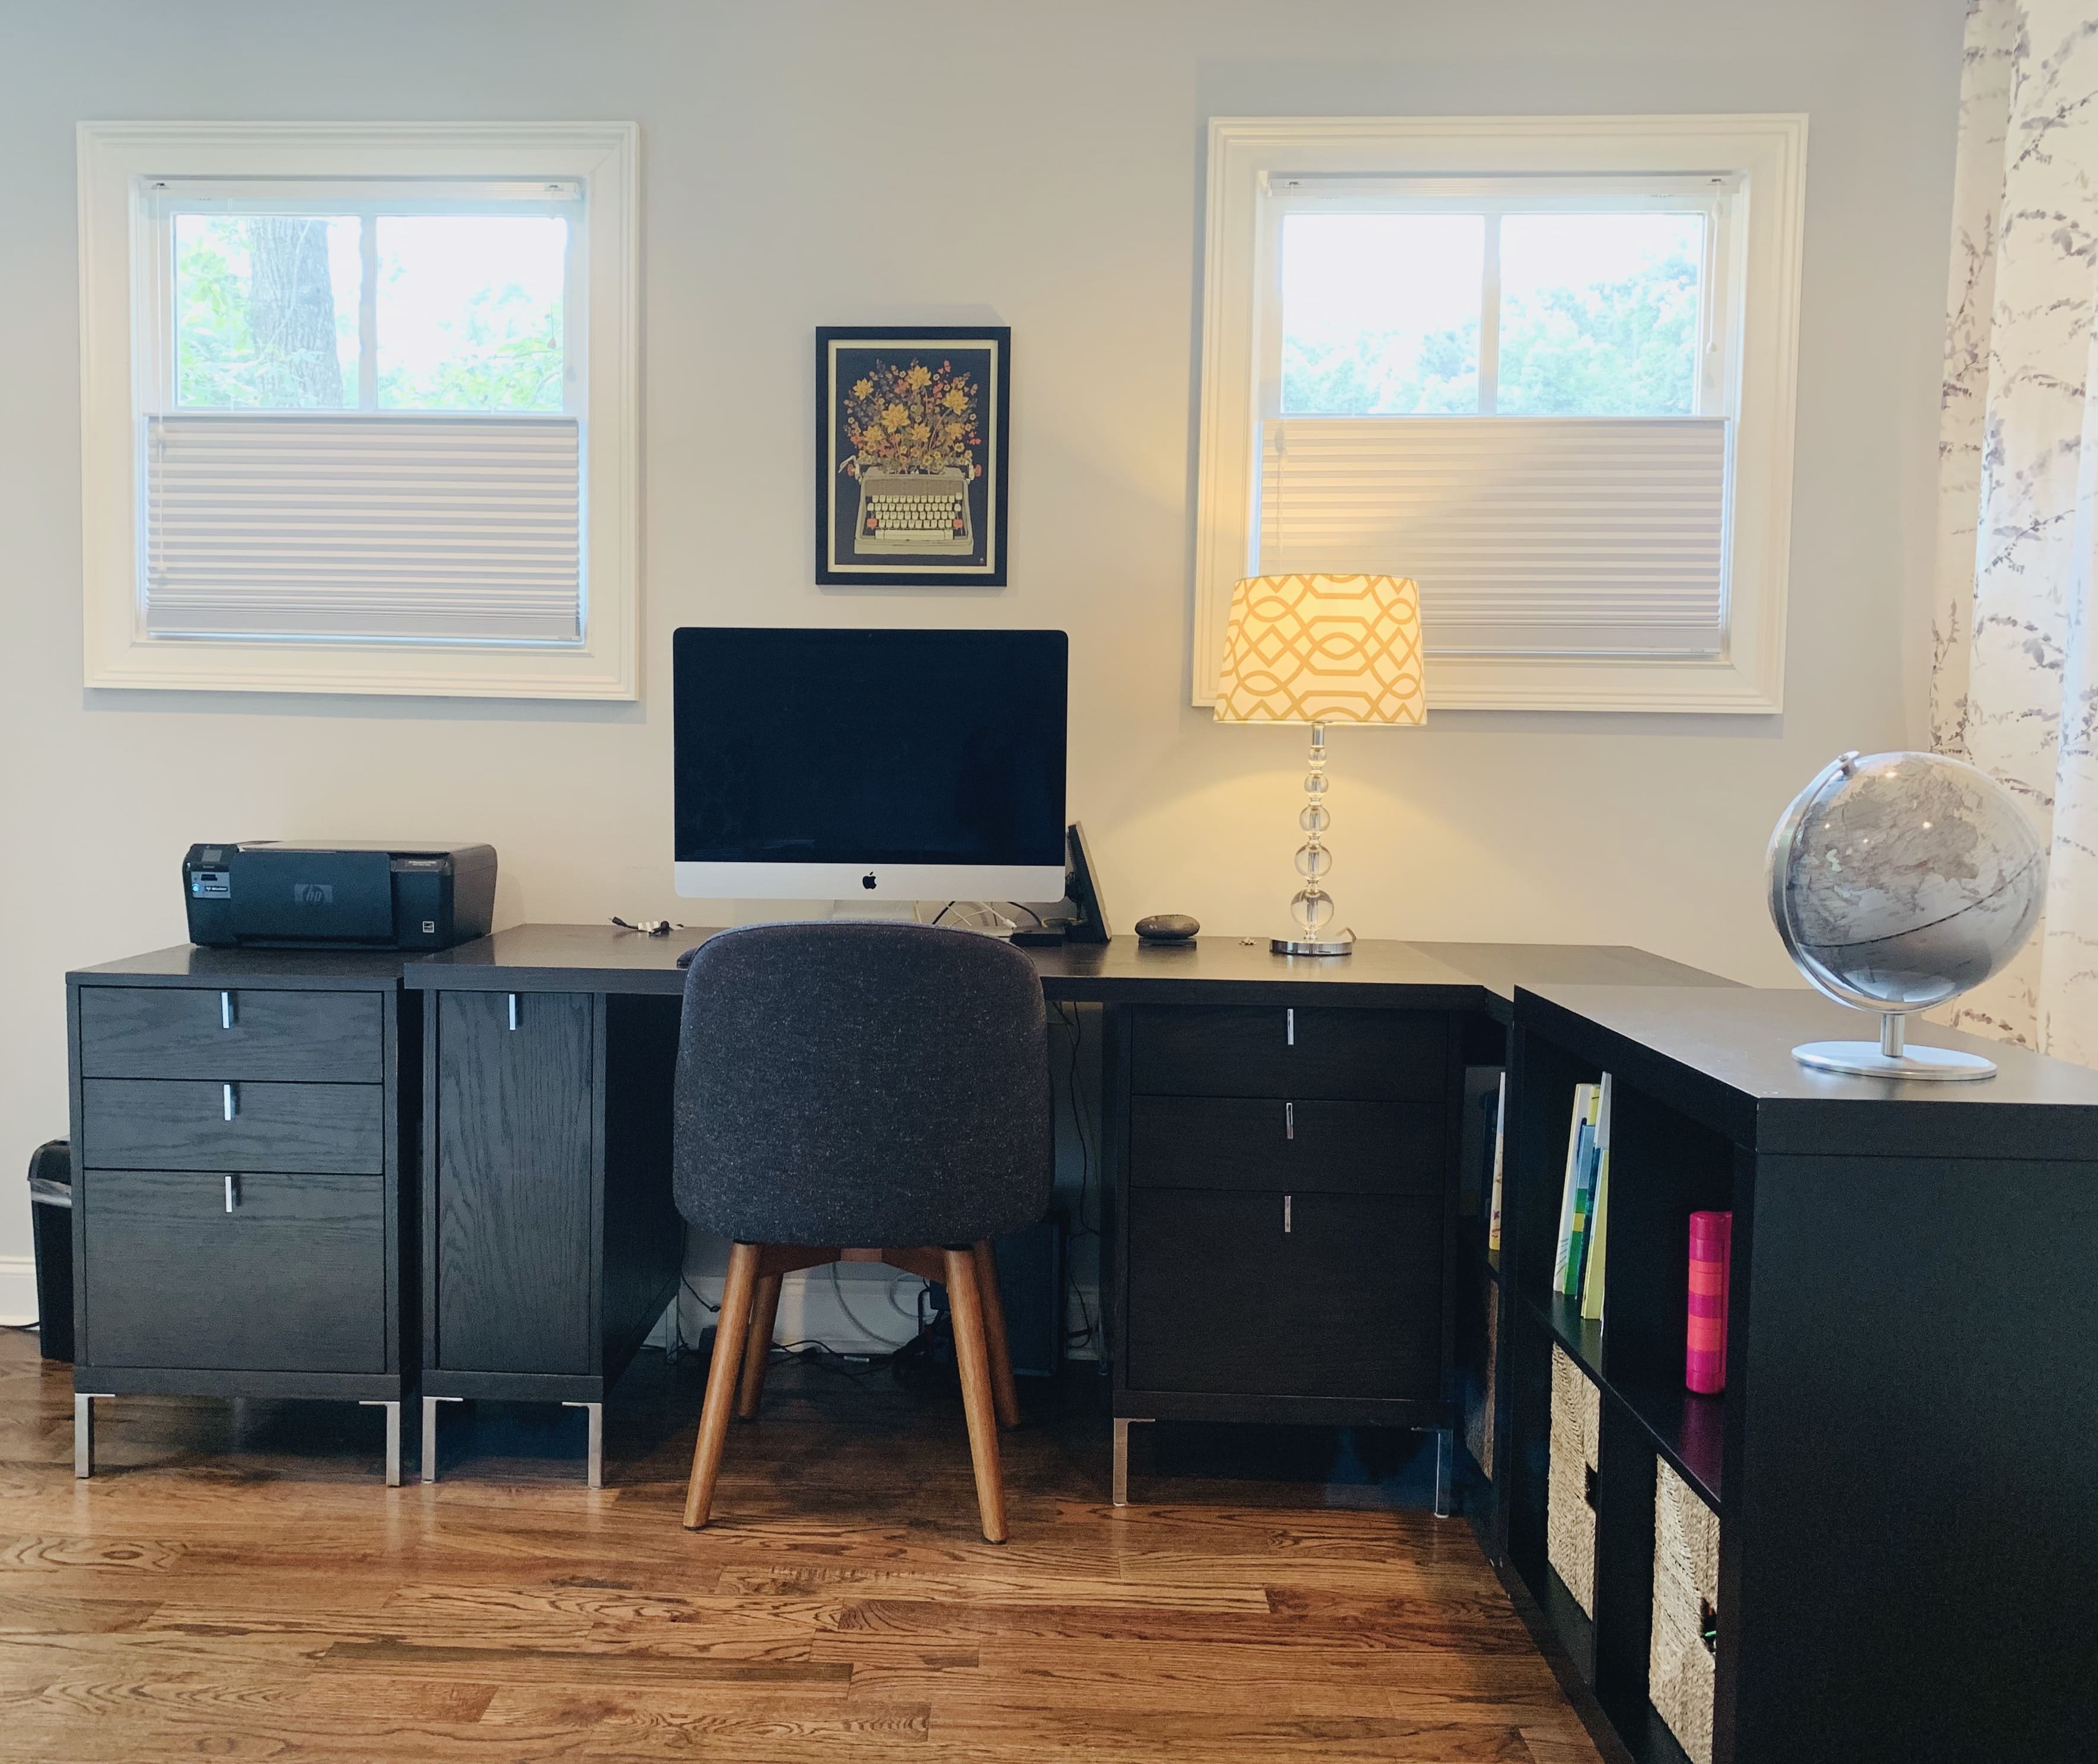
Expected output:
{"points": [[1579, 1133], [1599, 1213]]}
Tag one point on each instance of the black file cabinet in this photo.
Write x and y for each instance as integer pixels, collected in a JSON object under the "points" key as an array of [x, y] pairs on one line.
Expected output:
{"points": [[242, 1188], [1281, 1243], [552, 1245]]}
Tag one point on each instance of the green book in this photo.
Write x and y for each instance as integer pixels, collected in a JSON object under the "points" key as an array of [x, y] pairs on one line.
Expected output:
{"points": [[1577, 1135], [1599, 1213], [1584, 1198]]}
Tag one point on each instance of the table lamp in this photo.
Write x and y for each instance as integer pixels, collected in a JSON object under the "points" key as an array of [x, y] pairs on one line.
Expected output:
{"points": [[1320, 650]]}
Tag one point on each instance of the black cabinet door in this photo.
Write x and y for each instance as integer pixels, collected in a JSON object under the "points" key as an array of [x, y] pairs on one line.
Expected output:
{"points": [[1251, 1293], [514, 1240], [258, 1271]]}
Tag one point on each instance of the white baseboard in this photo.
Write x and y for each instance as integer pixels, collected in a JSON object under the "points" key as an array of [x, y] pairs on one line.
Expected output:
{"points": [[18, 1289]]}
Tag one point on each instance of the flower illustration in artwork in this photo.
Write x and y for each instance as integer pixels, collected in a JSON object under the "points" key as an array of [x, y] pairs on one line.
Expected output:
{"points": [[905, 416]]}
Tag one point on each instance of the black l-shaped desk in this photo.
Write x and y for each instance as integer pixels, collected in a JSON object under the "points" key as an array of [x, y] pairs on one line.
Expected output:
{"points": [[1280, 1139], [450, 1174]]}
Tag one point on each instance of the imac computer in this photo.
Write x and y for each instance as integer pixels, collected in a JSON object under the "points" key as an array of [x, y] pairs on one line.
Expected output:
{"points": [[869, 765]]}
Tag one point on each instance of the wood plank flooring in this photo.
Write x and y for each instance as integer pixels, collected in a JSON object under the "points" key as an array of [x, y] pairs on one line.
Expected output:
{"points": [[235, 1582]]}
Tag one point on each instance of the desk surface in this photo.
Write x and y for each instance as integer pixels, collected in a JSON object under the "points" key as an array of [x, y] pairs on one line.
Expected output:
{"points": [[1726, 1061], [1223, 970]]}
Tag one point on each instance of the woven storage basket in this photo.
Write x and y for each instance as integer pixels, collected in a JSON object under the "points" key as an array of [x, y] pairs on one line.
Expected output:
{"points": [[1479, 1416], [1569, 1513], [1681, 1664]]}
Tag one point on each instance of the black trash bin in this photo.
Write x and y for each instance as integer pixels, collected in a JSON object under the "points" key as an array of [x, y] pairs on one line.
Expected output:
{"points": [[50, 1209]]}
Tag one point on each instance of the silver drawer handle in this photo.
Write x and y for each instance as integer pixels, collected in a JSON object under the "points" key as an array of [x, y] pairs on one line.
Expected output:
{"points": [[232, 1192], [232, 1103], [513, 1010], [225, 1010], [1286, 1199], [1288, 1120], [1289, 1026]]}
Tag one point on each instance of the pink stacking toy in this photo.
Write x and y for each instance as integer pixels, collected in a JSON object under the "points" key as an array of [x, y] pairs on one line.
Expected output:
{"points": [[1705, 1356]]}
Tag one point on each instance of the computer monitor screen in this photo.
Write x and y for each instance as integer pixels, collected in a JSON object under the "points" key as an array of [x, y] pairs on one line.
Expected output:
{"points": [[832, 765]]}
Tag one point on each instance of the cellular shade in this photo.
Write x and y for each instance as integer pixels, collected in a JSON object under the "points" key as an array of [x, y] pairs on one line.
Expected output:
{"points": [[363, 526], [1528, 535]]}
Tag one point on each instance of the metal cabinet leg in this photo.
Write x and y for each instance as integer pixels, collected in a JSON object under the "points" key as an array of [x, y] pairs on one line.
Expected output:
{"points": [[430, 1434], [1445, 1471], [1122, 1425], [596, 1410], [393, 1438], [83, 1431]]}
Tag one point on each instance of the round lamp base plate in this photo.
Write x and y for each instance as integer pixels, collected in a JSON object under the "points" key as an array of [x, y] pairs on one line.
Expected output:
{"points": [[1864, 1059], [1342, 945]]}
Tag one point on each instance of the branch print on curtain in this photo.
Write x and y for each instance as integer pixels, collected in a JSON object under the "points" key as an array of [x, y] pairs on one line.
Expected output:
{"points": [[2014, 642]]}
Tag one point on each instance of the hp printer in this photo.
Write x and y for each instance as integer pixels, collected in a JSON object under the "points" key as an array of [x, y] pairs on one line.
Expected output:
{"points": [[276, 894]]}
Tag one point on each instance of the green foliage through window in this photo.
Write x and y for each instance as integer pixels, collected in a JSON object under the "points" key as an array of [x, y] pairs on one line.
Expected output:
{"points": [[467, 313], [1622, 346]]}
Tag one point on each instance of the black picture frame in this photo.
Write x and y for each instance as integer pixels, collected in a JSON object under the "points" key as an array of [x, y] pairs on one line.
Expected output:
{"points": [[938, 461]]}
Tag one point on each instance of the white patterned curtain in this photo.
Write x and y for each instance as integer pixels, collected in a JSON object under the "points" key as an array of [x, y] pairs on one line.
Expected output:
{"points": [[2014, 638]]}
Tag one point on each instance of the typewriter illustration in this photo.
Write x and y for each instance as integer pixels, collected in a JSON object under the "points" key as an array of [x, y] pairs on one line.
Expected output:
{"points": [[914, 511]]}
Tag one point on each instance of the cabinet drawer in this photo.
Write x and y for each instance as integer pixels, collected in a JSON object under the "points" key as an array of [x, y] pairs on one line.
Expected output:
{"points": [[185, 1032], [1314, 1055], [1200, 1142], [292, 1278], [1346, 1302], [179, 1124]]}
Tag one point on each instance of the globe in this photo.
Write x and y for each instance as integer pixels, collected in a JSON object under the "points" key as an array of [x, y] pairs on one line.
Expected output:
{"points": [[1897, 881]]}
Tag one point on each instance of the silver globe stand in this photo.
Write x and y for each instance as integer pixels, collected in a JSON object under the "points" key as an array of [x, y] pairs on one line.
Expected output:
{"points": [[1893, 1058]]}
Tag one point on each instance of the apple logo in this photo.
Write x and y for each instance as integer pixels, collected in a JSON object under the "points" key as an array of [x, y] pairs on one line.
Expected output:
{"points": [[866, 881]]}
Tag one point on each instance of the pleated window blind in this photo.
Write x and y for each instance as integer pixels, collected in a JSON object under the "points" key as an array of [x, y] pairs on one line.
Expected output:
{"points": [[1528, 535], [363, 526]]}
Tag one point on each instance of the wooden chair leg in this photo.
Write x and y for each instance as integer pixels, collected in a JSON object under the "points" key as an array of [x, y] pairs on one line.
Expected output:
{"points": [[757, 1348], [965, 1304], [730, 1329], [1002, 1386]]}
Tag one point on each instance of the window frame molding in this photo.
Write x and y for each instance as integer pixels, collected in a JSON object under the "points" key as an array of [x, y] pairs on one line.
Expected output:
{"points": [[1767, 152], [115, 217]]}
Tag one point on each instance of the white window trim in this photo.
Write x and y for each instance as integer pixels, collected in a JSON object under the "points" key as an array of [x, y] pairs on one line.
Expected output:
{"points": [[115, 158], [1767, 153]]}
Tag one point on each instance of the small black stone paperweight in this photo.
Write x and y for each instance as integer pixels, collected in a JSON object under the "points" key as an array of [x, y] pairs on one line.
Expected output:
{"points": [[1168, 927]]}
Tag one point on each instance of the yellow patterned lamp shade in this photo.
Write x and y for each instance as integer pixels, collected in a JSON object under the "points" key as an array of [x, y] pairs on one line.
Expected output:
{"points": [[1322, 649]]}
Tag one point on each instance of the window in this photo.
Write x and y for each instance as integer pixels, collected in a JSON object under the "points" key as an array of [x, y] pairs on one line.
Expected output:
{"points": [[360, 408], [1542, 366]]}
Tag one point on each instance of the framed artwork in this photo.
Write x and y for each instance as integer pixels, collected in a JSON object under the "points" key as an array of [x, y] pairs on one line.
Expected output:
{"points": [[910, 455]]}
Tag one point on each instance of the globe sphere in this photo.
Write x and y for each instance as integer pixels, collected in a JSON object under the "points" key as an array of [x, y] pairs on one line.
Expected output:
{"points": [[1899, 880]]}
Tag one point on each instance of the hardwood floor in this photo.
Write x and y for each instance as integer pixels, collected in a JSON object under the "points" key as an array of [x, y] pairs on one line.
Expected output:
{"points": [[236, 1583]]}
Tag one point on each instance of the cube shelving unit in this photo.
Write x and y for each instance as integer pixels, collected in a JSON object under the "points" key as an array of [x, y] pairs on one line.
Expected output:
{"points": [[1904, 1463]]}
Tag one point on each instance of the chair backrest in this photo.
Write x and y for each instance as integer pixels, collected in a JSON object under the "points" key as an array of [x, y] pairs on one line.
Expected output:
{"points": [[862, 1085]]}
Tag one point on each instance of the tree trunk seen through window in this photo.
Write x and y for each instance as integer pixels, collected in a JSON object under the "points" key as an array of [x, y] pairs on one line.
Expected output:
{"points": [[291, 312]]}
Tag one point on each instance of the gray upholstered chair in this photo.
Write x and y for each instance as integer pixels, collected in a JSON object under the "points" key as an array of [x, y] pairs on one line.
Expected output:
{"points": [[864, 1092]]}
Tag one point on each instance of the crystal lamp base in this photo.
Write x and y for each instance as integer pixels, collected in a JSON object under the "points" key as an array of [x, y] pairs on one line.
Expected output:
{"points": [[1313, 943]]}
